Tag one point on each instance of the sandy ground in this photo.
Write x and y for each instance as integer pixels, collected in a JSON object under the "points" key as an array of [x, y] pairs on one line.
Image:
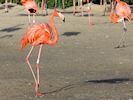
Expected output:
{"points": [[83, 65]]}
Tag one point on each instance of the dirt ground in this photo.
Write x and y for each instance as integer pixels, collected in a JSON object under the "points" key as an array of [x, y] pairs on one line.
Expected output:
{"points": [[84, 65]]}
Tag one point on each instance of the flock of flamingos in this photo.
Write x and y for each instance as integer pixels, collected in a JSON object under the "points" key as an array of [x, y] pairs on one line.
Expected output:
{"points": [[38, 34]]}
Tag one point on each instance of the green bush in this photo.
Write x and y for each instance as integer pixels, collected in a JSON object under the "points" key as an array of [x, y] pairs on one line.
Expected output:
{"points": [[14, 1], [67, 3], [128, 1], [2, 1]]}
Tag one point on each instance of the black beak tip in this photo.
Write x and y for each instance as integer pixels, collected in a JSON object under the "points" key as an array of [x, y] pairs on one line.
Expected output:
{"points": [[64, 20]]}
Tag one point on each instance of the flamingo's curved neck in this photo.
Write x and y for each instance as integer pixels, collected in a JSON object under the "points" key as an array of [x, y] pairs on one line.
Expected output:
{"points": [[53, 41], [117, 0]]}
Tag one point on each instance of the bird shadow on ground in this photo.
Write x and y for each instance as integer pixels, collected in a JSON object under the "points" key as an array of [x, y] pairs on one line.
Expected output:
{"points": [[22, 15], [87, 82], [9, 6], [26, 14], [86, 15], [44, 14], [6, 36], [69, 12], [127, 45], [31, 15], [71, 33], [110, 81], [11, 29], [102, 23]]}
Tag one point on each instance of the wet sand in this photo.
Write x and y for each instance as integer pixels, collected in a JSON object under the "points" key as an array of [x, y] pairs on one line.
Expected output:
{"points": [[84, 65]]}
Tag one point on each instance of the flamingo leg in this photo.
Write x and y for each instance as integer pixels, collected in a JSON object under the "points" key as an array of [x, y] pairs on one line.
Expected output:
{"points": [[34, 18], [122, 40], [46, 12], [89, 15], [6, 6], [29, 18], [74, 4], [38, 73], [27, 60], [82, 9]]}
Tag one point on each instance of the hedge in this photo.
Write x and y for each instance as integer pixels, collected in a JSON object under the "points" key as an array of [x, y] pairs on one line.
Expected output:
{"points": [[67, 3]]}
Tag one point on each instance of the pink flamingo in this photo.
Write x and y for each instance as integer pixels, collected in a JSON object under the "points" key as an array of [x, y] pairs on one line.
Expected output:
{"points": [[121, 12], [30, 7], [44, 7], [39, 34]]}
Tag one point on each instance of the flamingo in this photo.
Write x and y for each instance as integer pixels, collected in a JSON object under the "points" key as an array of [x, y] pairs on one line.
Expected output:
{"points": [[44, 7], [30, 7], [39, 34], [121, 13]]}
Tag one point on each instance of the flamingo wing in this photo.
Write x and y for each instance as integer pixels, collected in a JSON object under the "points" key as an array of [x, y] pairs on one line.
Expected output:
{"points": [[114, 17], [37, 34], [123, 10]]}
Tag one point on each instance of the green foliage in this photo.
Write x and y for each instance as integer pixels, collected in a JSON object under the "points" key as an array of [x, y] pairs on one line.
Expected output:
{"points": [[67, 3], [2, 1], [128, 1], [51, 3], [14, 1], [96, 1]]}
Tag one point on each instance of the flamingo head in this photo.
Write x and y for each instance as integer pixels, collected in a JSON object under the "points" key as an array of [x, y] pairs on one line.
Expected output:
{"points": [[58, 14]]}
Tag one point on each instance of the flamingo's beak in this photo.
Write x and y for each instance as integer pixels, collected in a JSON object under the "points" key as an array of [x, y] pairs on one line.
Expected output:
{"points": [[64, 20], [62, 17]]}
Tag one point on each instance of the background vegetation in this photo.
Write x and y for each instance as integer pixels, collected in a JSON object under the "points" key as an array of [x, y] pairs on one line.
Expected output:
{"points": [[67, 3]]}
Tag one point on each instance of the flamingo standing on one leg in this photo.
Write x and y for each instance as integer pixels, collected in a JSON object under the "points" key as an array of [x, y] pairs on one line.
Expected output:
{"points": [[121, 12], [30, 7], [39, 34]]}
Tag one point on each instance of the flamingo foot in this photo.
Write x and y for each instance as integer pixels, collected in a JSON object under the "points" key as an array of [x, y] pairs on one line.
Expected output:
{"points": [[123, 46], [38, 94], [6, 11], [117, 47], [91, 24]]}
